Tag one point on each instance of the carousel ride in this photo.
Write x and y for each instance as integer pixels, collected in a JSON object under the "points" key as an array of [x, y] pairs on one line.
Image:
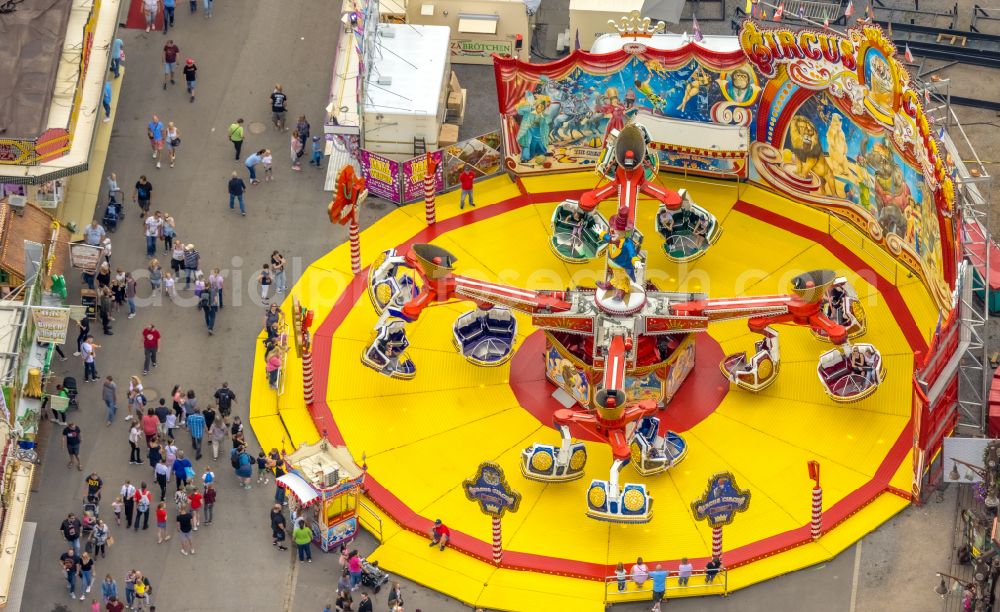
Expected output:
{"points": [[618, 331]]}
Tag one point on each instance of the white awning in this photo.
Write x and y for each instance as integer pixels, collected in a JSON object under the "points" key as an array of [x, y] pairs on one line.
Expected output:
{"points": [[301, 490]]}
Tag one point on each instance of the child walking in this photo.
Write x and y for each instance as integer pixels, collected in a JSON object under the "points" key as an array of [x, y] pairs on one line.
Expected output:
{"points": [[116, 507], [267, 160], [317, 152], [168, 285], [262, 473]]}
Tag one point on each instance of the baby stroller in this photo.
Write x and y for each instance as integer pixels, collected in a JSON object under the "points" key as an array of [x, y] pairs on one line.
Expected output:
{"points": [[91, 510], [69, 385], [372, 576]]}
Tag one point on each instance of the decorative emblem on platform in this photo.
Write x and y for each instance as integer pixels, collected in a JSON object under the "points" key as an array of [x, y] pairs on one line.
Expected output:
{"points": [[489, 488], [635, 25], [722, 500]]}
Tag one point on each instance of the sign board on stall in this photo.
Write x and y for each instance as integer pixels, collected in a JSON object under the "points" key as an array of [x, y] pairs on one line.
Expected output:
{"points": [[84, 257], [470, 48], [414, 171], [51, 324], [381, 175]]}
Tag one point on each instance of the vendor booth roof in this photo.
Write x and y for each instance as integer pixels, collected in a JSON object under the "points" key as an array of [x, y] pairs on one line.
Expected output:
{"points": [[301, 490], [314, 458], [32, 224]]}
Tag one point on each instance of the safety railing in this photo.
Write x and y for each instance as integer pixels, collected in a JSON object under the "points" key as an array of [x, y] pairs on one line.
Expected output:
{"points": [[370, 520], [697, 584]]}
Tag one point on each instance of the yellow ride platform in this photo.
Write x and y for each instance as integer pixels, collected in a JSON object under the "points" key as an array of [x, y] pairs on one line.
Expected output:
{"points": [[421, 438]]}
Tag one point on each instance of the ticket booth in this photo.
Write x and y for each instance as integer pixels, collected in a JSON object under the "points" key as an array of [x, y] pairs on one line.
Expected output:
{"points": [[323, 485]]}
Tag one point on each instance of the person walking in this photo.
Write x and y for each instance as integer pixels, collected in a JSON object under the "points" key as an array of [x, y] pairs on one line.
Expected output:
{"points": [[264, 279], [216, 434], [182, 470], [279, 103], [69, 561], [278, 269], [94, 233], [161, 523], [296, 148], [176, 257], [130, 293], [101, 537], [156, 133], [149, 10], [467, 177], [117, 56], [169, 231], [71, 438], [109, 393], [209, 303], [224, 398], [191, 77], [208, 8], [106, 101], [278, 531], [210, 497], [302, 536], [128, 498], [185, 526], [130, 577], [162, 472], [109, 590], [236, 137], [71, 528], [150, 426], [251, 164], [173, 141], [143, 194], [244, 465], [134, 436], [105, 306], [86, 565], [302, 127], [150, 345], [354, 569], [143, 499], [191, 261], [196, 427], [236, 189], [88, 350], [195, 499], [170, 51], [215, 283], [168, 14], [152, 223]]}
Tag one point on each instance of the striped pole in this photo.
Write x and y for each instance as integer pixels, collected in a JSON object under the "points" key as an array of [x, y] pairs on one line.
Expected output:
{"points": [[717, 541], [354, 235], [307, 377], [497, 543], [429, 184], [817, 513]]}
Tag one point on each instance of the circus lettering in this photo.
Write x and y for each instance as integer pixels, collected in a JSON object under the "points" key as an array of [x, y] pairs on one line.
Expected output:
{"points": [[767, 49]]}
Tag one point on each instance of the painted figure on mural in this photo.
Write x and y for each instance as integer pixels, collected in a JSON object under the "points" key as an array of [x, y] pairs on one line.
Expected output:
{"points": [[891, 193], [739, 86], [698, 79], [533, 134], [805, 147], [836, 143], [615, 111], [657, 101]]}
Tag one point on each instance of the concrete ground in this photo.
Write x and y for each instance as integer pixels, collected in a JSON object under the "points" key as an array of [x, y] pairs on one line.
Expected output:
{"points": [[241, 54]]}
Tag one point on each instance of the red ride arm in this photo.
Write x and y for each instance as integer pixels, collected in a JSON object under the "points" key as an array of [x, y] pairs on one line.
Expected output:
{"points": [[590, 199]]}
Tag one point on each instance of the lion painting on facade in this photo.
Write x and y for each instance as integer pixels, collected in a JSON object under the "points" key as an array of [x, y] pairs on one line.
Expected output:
{"points": [[804, 145]]}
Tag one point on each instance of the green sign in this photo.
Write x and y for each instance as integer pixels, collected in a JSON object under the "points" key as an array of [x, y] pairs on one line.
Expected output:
{"points": [[465, 47]]}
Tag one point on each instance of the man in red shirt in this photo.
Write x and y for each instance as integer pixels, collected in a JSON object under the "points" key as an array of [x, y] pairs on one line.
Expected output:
{"points": [[114, 605], [466, 178], [150, 344], [440, 534]]}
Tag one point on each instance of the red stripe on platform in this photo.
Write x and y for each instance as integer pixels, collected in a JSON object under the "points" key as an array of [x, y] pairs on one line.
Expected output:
{"points": [[137, 21], [410, 520]]}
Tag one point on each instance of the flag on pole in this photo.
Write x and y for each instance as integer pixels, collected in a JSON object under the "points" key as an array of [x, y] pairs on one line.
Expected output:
{"points": [[826, 21], [868, 11], [697, 30], [779, 12], [907, 55], [927, 96], [576, 43], [941, 133], [802, 11], [749, 8], [850, 9]]}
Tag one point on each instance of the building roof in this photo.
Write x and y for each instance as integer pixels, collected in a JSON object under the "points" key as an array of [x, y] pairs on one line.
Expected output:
{"points": [[31, 39], [665, 42], [35, 225], [415, 57]]}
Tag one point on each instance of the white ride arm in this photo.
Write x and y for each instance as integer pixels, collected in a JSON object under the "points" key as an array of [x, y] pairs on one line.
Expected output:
{"points": [[563, 456]]}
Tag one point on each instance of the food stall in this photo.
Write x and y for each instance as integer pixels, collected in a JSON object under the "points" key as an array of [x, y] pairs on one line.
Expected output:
{"points": [[323, 484], [479, 28]]}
